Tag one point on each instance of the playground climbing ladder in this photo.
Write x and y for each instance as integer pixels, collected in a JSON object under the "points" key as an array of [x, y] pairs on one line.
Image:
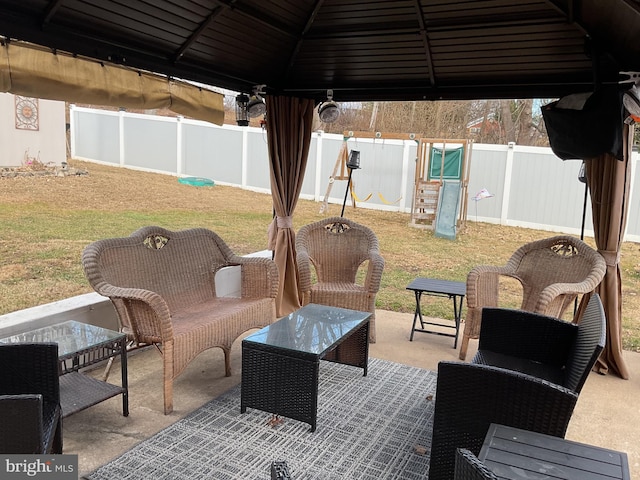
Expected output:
{"points": [[441, 160]]}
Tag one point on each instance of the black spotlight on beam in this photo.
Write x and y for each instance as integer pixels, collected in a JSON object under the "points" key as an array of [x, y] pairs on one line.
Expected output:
{"points": [[256, 105], [328, 111]]}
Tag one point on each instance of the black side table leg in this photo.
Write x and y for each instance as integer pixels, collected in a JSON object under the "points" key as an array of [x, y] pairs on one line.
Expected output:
{"points": [[416, 315], [125, 377], [457, 313]]}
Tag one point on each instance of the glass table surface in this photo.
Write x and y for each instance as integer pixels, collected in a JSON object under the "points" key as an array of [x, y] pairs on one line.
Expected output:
{"points": [[72, 337], [312, 329], [81, 345]]}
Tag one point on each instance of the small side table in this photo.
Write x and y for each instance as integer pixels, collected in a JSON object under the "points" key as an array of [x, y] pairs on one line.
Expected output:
{"points": [[81, 345], [438, 288], [512, 453]]}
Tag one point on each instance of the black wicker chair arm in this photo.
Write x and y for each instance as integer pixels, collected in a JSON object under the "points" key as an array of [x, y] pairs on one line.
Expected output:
{"points": [[30, 412], [21, 420], [468, 467]]}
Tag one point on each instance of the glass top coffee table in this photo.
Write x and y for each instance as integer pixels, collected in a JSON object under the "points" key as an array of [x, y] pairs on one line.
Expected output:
{"points": [[281, 362], [79, 346]]}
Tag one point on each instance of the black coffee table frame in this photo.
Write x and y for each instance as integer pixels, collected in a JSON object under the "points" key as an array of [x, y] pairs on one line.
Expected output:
{"points": [[284, 381]]}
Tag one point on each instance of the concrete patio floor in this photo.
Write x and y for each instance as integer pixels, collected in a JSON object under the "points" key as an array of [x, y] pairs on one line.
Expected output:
{"points": [[607, 413]]}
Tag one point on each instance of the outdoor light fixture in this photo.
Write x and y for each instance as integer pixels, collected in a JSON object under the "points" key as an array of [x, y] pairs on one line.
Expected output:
{"points": [[631, 98], [631, 101], [242, 115], [352, 164], [256, 105], [354, 160], [329, 110]]}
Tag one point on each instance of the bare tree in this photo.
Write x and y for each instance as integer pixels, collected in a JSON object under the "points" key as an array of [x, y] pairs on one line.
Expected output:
{"points": [[507, 121], [484, 121]]}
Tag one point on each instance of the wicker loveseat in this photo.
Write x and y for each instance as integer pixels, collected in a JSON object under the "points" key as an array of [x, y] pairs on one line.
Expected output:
{"points": [[162, 285]]}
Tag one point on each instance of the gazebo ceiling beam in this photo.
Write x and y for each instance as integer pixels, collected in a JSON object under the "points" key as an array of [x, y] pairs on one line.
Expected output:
{"points": [[425, 40], [301, 38], [198, 32]]}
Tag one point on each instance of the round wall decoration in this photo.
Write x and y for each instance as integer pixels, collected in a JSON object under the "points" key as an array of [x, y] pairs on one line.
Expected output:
{"points": [[26, 113]]}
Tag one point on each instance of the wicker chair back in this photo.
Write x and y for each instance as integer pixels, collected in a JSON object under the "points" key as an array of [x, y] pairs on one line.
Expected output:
{"points": [[589, 344], [330, 255]]}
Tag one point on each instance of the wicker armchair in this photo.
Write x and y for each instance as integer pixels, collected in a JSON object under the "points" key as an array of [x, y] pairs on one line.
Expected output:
{"points": [[546, 347], [30, 412], [468, 467], [470, 397], [337, 248], [552, 272]]}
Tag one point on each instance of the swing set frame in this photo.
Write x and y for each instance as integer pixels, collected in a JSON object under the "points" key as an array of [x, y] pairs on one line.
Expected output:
{"points": [[340, 170]]}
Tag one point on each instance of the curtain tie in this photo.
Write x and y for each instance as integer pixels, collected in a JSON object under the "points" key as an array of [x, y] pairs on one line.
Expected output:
{"points": [[284, 222], [611, 257]]}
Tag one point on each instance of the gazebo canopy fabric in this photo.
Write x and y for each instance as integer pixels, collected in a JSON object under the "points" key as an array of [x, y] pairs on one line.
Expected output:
{"points": [[363, 50], [32, 71]]}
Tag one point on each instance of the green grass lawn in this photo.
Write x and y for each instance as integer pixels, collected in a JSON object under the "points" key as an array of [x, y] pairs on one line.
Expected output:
{"points": [[47, 221]]}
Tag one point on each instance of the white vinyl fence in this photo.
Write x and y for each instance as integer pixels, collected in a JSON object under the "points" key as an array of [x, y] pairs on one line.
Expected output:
{"points": [[530, 186]]}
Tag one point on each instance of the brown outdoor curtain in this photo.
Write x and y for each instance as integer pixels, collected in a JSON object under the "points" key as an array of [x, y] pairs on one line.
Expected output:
{"points": [[289, 124], [609, 180], [37, 72]]}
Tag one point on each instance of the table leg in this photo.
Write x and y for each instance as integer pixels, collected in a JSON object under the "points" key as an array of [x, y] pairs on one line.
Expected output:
{"points": [[457, 313], [277, 383], [354, 350], [417, 314], [125, 377]]}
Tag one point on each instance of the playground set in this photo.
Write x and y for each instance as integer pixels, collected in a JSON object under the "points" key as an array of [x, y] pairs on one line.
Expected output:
{"points": [[440, 181]]}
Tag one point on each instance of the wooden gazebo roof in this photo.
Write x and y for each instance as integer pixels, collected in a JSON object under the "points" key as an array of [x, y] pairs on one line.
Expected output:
{"points": [[361, 49]]}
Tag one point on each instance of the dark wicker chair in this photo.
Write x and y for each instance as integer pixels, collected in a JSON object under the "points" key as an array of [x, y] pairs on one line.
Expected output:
{"points": [[30, 412], [468, 467], [469, 397], [545, 347]]}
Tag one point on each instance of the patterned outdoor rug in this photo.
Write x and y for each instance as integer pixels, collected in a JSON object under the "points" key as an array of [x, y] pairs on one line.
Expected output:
{"points": [[373, 427]]}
